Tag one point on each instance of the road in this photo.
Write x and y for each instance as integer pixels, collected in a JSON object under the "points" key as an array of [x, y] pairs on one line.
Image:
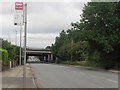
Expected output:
{"points": [[60, 76]]}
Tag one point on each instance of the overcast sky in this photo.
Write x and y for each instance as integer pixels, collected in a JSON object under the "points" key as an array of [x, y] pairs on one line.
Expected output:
{"points": [[45, 21]]}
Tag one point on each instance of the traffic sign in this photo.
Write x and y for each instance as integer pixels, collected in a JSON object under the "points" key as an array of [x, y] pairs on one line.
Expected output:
{"points": [[19, 6], [19, 15]]}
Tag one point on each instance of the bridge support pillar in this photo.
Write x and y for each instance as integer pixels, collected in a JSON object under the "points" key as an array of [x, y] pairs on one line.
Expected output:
{"points": [[51, 58], [48, 57], [44, 58]]}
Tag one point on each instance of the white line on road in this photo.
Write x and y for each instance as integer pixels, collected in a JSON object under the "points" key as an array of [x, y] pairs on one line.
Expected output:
{"points": [[82, 73], [74, 71], [92, 84], [93, 76], [112, 81], [100, 87], [62, 66]]}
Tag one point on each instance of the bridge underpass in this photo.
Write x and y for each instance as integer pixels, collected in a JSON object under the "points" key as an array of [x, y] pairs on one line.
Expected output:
{"points": [[42, 55]]}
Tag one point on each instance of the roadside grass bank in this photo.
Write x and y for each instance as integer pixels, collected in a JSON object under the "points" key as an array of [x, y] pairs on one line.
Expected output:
{"points": [[88, 64]]}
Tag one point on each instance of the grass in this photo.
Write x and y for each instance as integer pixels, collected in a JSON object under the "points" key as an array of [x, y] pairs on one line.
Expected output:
{"points": [[81, 63]]}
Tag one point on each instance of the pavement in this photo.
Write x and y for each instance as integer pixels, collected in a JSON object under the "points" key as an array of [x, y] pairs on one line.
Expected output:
{"points": [[62, 76], [13, 78]]}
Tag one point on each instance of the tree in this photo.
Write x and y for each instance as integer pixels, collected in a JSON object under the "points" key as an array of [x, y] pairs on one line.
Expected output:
{"points": [[59, 41], [99, 26], [13, 50], [102, 21], [48, 48]]}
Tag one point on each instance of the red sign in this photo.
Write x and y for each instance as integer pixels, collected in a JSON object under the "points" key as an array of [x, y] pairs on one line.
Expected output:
{"points": [[19, 6]]}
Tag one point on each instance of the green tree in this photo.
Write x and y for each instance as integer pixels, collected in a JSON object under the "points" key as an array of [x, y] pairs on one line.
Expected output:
{"points": [[99, 27], [4, 56], [58, 43], [102, 21], [13, 50]]}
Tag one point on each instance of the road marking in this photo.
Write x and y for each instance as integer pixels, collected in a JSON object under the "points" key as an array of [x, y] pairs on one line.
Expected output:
{"points": [[93, 76], [74, 71], [82, 73], [100, 87], [95, 85], [62, 66], [92, 84], [112, 81]]}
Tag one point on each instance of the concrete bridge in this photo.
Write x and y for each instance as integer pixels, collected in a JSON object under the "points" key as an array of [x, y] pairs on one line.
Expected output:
{"points": [[44, 55]]}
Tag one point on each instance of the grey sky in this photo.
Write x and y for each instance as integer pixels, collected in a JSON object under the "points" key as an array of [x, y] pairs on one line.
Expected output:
{"points": [[45, 21]]}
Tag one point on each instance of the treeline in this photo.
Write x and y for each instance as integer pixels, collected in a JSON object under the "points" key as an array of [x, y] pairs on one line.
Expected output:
{"points": [[94, 40], [9, 52]]}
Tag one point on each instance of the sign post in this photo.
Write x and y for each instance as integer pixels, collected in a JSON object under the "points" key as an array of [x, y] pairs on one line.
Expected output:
{"points": [[21, 19], [25, 38], [19, 7], [19, 13]]}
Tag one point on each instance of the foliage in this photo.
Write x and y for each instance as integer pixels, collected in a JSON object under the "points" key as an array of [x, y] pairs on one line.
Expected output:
{"points": [[96, 36], [64, 52], [13, 50], [48, 48], [4, 56]]}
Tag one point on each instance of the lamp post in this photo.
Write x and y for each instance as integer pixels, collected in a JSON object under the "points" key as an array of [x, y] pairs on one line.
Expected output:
{"points": [[16, 37], [71, 50], [25, 38], [20, 44]]}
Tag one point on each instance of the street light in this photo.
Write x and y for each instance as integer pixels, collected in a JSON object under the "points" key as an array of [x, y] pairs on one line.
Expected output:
{"points": [[16, 37], [20, 44], [71, 50], [25, 39]]}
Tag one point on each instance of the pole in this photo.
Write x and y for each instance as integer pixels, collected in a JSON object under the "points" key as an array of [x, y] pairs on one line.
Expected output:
{"points": [[16, 37], [71, 50], [20, 43], [25, 27]]}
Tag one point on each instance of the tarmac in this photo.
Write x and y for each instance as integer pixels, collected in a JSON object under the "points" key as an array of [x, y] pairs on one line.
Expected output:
{"points": [[13, 78]]}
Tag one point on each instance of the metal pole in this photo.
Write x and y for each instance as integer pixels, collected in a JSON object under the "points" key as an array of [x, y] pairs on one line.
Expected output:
{"points": [[16, 37], [25, 21], [20, 43], [71, 50]]}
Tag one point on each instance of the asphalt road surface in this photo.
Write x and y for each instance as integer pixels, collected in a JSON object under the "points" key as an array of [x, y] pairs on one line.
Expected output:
{"points": [[60, 76]]}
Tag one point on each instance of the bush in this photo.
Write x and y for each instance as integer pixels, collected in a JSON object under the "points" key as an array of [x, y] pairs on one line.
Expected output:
{"points": [[80, 51], [4, 56], [64, 52]]}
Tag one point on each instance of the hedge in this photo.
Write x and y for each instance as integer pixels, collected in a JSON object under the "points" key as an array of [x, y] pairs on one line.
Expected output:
{"points": [[4, 56]]}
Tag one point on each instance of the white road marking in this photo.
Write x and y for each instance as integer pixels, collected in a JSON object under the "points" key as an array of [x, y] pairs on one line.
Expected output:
{"points": [[95, 85], [74, 71], [62, 66], [92, 84], [93, 76], [82, 73], [112, 81], [100, 87]]}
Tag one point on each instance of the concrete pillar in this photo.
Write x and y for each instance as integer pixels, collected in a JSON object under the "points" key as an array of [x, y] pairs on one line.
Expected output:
{"points": [[56, 60], [48, 57], [44, 58], [51, 58]]}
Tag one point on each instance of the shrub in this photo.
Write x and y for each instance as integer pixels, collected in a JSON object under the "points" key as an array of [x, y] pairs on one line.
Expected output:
{"points": [[4, 56]]}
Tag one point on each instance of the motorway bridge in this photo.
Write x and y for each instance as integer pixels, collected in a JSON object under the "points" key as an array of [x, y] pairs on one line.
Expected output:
{"points": [[43, 54]]}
